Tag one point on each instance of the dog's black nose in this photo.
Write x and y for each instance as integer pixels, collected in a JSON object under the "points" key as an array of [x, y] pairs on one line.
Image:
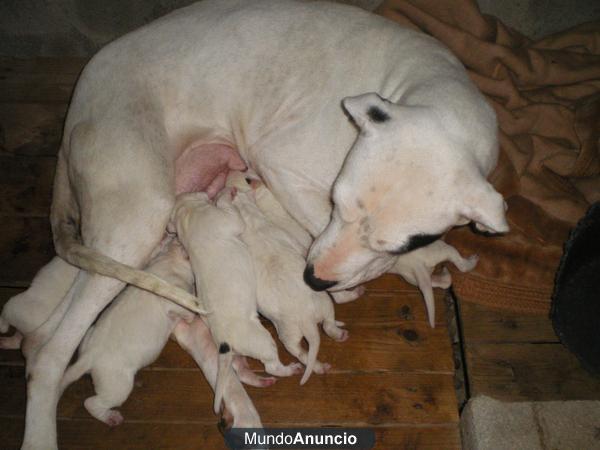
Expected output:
{"points": [[316, 284]]}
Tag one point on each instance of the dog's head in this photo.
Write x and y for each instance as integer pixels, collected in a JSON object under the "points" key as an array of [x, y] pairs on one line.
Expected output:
{"points": [[411, 175]]}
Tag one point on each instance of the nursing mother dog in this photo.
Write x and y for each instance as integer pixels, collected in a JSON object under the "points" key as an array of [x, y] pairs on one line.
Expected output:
{"points": [[369, 134]]}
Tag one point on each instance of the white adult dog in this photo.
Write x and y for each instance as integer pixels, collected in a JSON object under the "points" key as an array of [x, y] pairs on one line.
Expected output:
{"points": [[222, 84]]}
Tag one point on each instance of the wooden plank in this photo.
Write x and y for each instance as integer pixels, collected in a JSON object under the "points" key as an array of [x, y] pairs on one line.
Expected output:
{"points": [[64, 65], [375, 342], [38, 80], [25, 246], [44, 87], [31, 129], [91, 434], [26, 186], [526, 372], [348, 399], [482, 324]]}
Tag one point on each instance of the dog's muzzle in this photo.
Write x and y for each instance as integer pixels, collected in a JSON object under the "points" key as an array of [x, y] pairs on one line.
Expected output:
{"points": [[315, 283]]}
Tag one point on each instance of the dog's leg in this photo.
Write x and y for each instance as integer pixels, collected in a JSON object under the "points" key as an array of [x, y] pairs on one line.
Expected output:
{"points": [[292, 341], [196, 339], [247, 376], [112, 387], [348, 295], [259, 344], [125, 201]]}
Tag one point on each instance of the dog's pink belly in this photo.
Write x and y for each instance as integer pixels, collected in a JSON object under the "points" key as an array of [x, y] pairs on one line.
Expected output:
{"points": [[204, 168]]}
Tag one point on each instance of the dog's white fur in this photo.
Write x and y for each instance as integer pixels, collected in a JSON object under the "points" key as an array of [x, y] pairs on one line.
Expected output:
{"points": [[31, 308], [417, 268], [224, 272], [283, 297], [132, 332], [241, 74]]}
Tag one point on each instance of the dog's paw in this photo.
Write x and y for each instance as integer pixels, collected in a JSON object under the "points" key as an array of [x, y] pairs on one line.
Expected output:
{"points": [[321, 368], [113, 418], [343, 336], [296, 368]]}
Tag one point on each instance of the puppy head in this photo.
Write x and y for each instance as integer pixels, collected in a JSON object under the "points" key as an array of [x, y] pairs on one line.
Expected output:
{"points": [[406, 181]]}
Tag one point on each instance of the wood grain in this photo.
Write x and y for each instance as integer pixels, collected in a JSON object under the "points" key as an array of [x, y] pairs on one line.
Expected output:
{"points": [[31, 129], [26, 186], [25, 246]]}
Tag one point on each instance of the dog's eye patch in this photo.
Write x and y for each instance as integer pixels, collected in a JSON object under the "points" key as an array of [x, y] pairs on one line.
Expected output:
{"points": [[416, 241], [377, 115]]}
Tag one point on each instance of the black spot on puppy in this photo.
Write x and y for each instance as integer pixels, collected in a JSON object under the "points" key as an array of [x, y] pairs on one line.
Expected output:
{"points": [[377, 115], [224, 348]]}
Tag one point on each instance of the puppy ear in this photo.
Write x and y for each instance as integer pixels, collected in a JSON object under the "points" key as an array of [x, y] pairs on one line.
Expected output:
{"points": [[486, 208], [367, 110]]}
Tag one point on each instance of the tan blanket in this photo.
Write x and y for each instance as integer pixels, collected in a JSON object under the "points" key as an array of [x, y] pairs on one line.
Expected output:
{"points": [[547, 98]]}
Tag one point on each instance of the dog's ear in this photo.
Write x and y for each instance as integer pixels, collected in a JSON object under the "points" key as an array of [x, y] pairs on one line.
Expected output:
{"points": [[367, 110], [486, 208]]}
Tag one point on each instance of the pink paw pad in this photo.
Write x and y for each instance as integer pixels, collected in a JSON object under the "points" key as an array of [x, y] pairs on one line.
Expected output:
{"points": [[344, 335], [267, 381], [114, 418]]}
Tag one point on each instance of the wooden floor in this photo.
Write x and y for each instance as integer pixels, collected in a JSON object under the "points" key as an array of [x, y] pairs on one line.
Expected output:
{"points": [[515, 357], [394, 374]]}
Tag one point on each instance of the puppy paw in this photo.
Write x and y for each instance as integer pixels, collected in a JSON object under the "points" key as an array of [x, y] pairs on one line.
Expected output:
{"points": [[113, 418], [322, 368], [296, 368], [348, 295], [442, 280], [344, 335], [266, 381]]}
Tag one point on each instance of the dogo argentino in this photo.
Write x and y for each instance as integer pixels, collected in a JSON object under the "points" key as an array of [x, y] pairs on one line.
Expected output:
{"points": [[132, 332], [224, 84], [224, 272], [283, 297]]}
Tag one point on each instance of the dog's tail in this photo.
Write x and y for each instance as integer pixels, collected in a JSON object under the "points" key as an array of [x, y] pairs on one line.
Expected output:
{"points": [[424, 282], [65, 229], [223, 373], [311, 333]]}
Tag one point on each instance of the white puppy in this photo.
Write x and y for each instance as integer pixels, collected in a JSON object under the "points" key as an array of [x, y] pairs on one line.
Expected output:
{"points": [[30, 309], [283, 297], [274, 211], [417, 268], [224, 273], [131, 333]]}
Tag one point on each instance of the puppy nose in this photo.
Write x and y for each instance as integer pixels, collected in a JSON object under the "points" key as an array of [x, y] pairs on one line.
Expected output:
{"points": [[316, 284]]}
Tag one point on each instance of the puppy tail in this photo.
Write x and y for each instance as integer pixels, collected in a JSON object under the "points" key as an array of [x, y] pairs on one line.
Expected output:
{"points": [[424, 281], [314, 341], [223, 374]]}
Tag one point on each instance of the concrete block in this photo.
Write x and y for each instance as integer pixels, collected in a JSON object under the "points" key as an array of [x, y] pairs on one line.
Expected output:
{"points": [[488, 424]]}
